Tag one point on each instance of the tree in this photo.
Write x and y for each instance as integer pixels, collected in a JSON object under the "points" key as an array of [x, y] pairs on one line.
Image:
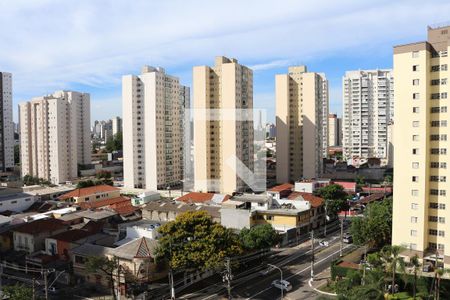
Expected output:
{"points": [[195, 241], [114, 143], [335, 198], [258, 237], [414, 261], [375, 227], [102, 264], [18, 292], [390, 255]]}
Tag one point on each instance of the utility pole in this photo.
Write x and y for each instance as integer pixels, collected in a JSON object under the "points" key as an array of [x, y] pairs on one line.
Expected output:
{"points": [[326, 219], [312, 255], [342, 237], [34, 290], [228, 276], [45, 284], [281, 277], [364, 265]]}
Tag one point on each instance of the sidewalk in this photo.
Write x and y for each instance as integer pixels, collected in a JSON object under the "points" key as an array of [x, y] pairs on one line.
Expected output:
{"points": [[320, 281]]}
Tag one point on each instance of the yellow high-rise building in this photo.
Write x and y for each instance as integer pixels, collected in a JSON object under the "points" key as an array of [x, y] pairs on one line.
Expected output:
{"points": [[421, 208], [301, 99], [226, 88]]}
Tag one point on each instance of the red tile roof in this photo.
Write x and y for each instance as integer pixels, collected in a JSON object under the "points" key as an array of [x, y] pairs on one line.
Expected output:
{"points": [[92, 190], [72, 235], [125, 210], [347, 185], [102, 203], [311, 198], [43, 225], [282, 187], [195, 197]]}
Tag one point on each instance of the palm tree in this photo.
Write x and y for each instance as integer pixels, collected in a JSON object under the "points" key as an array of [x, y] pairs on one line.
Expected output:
{"points": [[416, 267], [390, 255], [439, 273]]}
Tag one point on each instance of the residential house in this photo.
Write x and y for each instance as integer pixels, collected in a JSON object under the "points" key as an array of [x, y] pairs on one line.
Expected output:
{"points": [[203, 198], [30, 237], [92, 193], [165, 210]]}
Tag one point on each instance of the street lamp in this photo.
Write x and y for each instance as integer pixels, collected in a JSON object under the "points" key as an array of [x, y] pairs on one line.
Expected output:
{"points": [[281, 277], [326, 219]]}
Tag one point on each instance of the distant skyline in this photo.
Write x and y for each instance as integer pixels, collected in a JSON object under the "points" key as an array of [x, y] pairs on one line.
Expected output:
{"points": [[87, 45]]}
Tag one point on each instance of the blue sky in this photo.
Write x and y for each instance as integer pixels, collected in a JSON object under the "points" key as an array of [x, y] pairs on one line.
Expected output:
{"points": [[87, 45]]}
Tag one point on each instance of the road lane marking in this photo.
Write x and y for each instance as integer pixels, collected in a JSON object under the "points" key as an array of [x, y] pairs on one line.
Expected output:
{"points": [[301, 271]]}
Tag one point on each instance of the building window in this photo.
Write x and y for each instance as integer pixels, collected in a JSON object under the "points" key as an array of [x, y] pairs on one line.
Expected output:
{"points": [[415, 165], [433, 219], [415, 54], [415, 68], [413, 232], [441, 247], [413, 219], [414, 206], [435, 82], [415, 123], [432, 232], [415, 109], [416, 96], [442, 220], [414, 193], [415, 179], [415, 151], [415, 82], [412, 246], [415, 137]]}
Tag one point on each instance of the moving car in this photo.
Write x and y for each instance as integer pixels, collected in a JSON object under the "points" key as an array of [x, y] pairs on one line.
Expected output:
{"points": [[348, 239], [282, 285]]}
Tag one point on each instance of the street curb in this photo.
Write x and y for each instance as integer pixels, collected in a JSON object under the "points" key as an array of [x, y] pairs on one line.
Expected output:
{"points": [[319, 291]]}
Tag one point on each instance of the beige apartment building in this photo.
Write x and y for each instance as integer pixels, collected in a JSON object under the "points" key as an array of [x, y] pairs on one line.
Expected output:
{"points": [[55, 135], [421, 214], [301, 97], [153, 109], [222, 143], [334, 130]]}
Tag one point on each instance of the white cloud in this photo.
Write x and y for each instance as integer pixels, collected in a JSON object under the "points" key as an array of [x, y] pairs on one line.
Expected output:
{"points": [[50, 44]]}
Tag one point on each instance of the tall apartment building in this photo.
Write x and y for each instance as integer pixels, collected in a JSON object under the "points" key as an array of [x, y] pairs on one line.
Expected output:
{"points": [[153, 109], [368, 109], [334, 130], [55, 135], [225, 86], [6, 123], [116, 125], [421, 213], [300, 100], [325, 112]]}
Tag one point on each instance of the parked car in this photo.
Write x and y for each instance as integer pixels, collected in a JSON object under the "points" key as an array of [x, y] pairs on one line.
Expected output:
{"points": [[348, 239], [282, 285]]}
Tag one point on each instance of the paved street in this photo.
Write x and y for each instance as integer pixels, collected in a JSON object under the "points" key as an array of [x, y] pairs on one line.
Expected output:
{"points": [[296, 268]]}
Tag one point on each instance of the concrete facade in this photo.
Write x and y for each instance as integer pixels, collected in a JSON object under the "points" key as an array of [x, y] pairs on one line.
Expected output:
{"points": [[334, 130], [301, 98], [368, 109], [55, 135], [153, 136], [7, 126], [421, 211], [226, 86]]}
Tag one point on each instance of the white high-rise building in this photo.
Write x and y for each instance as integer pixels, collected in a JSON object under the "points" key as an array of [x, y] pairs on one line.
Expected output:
{"points": [[55, 135], [153, 112], [116, 125], [368, 109], [325, 109], [6, 128]]}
